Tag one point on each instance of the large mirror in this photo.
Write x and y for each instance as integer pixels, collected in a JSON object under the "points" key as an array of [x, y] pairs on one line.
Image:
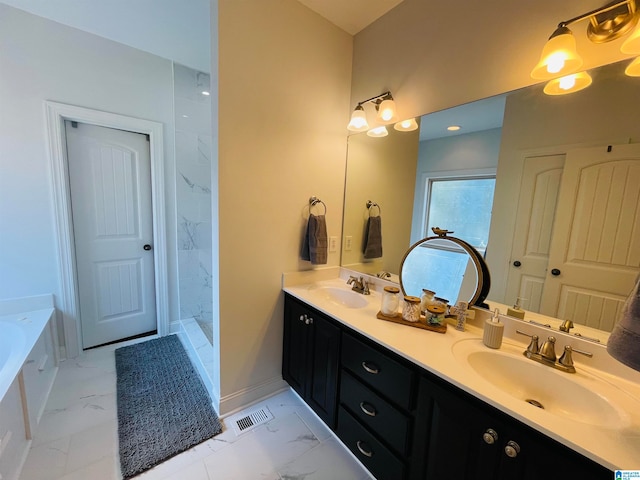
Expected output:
{"points": [[537, 146]]}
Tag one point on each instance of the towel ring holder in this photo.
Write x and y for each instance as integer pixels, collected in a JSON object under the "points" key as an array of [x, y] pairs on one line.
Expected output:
{"points": [[370, 205], [314, 201]]}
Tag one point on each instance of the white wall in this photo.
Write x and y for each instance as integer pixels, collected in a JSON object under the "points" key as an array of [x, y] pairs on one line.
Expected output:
{"points": [[284, 76], [43, 60], [173, 29], [474, 153]]}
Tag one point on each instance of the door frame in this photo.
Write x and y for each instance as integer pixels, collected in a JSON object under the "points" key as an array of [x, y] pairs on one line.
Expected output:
{"points": [[56, 114]]}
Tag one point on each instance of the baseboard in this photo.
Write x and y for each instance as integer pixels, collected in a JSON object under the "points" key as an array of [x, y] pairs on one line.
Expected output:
{"points": [[239, 400]]}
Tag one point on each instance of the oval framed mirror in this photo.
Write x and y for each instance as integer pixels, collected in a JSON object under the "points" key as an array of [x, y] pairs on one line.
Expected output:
{"points": [[448, 266]]}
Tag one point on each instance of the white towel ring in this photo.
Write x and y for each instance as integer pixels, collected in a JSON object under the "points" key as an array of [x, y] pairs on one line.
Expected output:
{"points": [[371, 204], [314, 201]]}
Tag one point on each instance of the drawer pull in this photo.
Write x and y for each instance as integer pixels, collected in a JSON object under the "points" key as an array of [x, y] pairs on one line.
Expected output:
{"points": [[370, 369], [366, 453], [368, 409]]}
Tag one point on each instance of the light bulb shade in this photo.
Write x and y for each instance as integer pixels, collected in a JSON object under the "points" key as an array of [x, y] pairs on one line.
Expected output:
{"points": [[406, 125], [633, 69], [387, 111], [631, 45], [378, 132], [568, 84], [358, 122], [559, 56]]}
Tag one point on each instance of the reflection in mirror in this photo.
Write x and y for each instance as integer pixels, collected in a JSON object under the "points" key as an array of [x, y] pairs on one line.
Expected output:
{"points": [[538, 128], [446, 266]]}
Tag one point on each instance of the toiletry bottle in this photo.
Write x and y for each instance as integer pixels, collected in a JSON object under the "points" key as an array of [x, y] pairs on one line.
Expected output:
{"points": [[461, 312], [516, 311], [493, 330]]}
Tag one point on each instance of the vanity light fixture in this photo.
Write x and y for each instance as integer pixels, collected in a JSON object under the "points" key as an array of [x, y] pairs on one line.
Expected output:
{"points": [[378, 132], [633, 69], [568, 84], [385, 106], [560, 59], [406, 125]]}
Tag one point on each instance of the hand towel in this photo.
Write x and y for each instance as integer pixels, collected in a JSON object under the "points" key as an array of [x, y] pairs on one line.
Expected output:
{"points": [[373, 238], [315, 243], [624, 341]]}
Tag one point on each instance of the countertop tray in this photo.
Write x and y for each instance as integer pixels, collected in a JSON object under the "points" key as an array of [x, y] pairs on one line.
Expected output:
{"points": [[422, 323]]}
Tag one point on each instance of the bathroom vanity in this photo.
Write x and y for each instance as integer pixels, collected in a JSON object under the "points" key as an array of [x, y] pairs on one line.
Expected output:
{"points": [[29, 367], [407, 409]]}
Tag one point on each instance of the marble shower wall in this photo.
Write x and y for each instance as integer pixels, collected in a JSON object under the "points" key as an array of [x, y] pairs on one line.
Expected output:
{"points": [[193, 191]]}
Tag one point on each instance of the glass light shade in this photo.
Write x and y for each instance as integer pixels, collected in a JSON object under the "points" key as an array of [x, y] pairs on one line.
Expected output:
{"points": [[387, 112], [633, 69], [358, 122], [559, 56], [632, 44], [568, 84], [406, 125], [378, 132]]}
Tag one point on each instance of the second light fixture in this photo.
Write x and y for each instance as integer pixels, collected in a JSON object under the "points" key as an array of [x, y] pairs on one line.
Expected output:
{"points": [[386, 114]]}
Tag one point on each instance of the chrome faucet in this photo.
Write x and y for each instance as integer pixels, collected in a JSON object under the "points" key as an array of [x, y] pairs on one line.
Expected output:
{"points": [[360, 285], [546, 354], [383, 274]]}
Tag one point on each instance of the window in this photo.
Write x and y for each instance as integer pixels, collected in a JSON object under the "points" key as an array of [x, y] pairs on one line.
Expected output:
{"points": [[462, 205]]}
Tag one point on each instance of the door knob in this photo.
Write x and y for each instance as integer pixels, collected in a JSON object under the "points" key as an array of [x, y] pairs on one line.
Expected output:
{"points": [[555, 272], [147, 247], [517, 263]]}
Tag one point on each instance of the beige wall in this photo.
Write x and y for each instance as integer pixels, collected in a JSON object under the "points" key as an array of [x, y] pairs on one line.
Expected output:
{"points": [[602, 114], [435, 55], [284, 79]]}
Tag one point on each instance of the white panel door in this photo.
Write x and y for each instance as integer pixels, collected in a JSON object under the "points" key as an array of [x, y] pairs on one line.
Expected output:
{"points": [[594, 258], [532, 236], [110, 181]]}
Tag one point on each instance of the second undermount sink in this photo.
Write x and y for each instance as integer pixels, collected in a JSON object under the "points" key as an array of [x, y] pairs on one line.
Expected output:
{"points": [[341, 296], [587, 400]]}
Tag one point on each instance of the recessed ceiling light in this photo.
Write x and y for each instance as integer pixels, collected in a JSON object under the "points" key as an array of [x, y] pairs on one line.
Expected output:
{"points": [[453, 128]]}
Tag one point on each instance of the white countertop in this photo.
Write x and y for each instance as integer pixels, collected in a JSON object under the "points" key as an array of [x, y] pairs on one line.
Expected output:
{"points": [[29, 327], [615, 448]]}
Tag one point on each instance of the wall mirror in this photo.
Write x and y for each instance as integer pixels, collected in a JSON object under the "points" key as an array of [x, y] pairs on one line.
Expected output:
{"points": [[534, 147], [449, 267]]}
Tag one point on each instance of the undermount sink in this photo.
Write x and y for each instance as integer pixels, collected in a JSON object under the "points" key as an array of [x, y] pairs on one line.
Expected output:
{"points": [[589, 400], [341, 296]]}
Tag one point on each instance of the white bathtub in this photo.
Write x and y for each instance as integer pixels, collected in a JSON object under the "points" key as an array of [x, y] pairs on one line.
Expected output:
{"points": [[28, 366], [11, 347]]}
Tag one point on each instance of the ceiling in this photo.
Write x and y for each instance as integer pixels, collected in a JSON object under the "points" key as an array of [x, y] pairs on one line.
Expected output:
{"points": [[351, 15]]}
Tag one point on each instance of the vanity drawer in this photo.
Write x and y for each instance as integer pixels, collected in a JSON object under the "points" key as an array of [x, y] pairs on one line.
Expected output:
{"points": [[379, 460], [378, 370], [378, 415]]}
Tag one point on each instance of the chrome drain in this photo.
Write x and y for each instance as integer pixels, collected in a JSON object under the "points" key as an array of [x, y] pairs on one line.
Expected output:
{"points": [[535, 403]]}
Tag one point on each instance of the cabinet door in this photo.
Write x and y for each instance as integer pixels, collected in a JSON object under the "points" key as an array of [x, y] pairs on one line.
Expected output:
{"points": [[325, 350], [295, 358], [463, 438]]}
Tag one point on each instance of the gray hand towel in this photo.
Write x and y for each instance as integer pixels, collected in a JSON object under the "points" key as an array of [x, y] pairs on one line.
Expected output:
{"points": [[624, 341], [373, 238], [315, 243]]}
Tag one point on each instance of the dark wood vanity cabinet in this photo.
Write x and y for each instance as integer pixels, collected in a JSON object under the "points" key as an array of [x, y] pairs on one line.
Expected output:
{"points": [[311, 359], [461, 437], [375, 419], [404, 423]]}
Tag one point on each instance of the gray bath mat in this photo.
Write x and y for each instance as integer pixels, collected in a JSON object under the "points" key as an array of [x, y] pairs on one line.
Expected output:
{"points": [[163, 406]]}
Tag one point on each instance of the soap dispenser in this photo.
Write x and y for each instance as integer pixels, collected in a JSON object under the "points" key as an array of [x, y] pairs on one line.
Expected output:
{"points": [[516, 311], [493, 330]]}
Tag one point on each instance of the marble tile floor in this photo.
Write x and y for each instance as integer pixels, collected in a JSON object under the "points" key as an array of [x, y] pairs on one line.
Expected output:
{"points": [[77, 437]]}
